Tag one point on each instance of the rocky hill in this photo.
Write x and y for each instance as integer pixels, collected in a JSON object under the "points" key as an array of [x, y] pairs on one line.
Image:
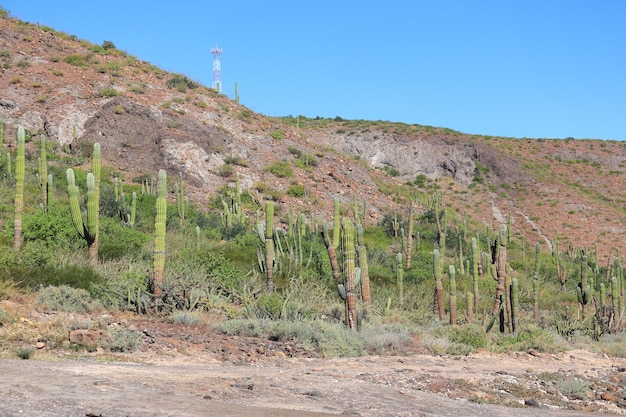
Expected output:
{"points": [[77, 93]]}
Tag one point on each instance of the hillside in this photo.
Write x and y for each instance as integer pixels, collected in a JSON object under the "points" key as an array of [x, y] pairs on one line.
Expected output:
{"points": [[77, 93]]}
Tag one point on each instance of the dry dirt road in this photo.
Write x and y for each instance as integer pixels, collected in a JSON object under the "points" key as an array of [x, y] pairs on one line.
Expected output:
{"points": [[193, 385]]}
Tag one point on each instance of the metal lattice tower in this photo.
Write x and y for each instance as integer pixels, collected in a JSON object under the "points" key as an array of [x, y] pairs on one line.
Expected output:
{"points": [[217, 69]]}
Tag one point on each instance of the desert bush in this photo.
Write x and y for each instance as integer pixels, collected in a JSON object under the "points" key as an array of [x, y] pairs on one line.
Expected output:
{"points": [[185, 318], [25, 352], [295, 190], [281, 169], [122, 340], [181, 83], [66, 298], [124, 285]]}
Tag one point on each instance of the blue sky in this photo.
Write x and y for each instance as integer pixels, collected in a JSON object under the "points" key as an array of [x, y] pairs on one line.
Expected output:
{"points": [[532, 68]]}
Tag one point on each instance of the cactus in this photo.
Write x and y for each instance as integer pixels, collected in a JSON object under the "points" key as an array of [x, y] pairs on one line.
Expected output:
{"points": [[461, 266], [19, 188], [181, 202], [159, 235], [332, 254], [475, 263], [470, 307], [438, 301], [515, 304], [616, 301], [268, 241], [453, 311], [536, 282], [87, 230], [133, 210], [400, 277], [362, 258], [349, 272], [336, 222], [42, 174], [583, 291]]}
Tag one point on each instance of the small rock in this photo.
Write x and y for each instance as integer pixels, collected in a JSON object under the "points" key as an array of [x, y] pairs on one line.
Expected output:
{"points": [[608, 396], [313, 393], [531, 403], [40, 345]]}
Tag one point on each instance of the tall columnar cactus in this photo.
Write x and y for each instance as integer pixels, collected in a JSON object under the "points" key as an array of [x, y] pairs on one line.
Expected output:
{"points": [[515, 310], [349, 272], [475, 276], [133, 210], [332, 256], [453, 311], [583, 291], [400, 277], [158, 272], [500, 268], [42, 174], [96, 170], [438, 301], [269, 245], [336, 223], [536, 282], [19, 188], [181, 202], [362, 258], [87, 229], [409, 237], [461, 259], [616, 301]]}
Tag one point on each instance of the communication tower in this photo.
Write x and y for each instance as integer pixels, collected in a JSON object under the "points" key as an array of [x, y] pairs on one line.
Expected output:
{"points": [[217, 69]]}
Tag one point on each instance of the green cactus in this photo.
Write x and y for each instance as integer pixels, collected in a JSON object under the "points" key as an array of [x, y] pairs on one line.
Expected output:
{"points": [[583, 291], [269, 245], [400, 277], [19, 187], [453, 311], [515, 304], [159, 235], [336, 223], [470, 307], [332, 255], [475, 276], [616, 301], [349, 264], [87, 229], [133, 210], [181, 201], [363, 265], [42, 174], [438, 301]]}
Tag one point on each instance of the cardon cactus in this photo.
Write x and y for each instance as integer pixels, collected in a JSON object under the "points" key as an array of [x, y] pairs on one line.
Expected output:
{"points": [[42, 174], [349, 272], [515, 310], [87, 229], [439, 299], [159, 235], [362, 258], [475, 272], [583, 291], [400, 277], [267, 239], [453, 311], [19, 188]]}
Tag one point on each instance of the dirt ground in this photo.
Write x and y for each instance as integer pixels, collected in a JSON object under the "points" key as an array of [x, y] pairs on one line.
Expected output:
{"points": [[186, 383]]}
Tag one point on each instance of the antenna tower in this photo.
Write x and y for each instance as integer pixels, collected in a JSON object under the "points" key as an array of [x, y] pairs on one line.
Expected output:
{"points": [[217, 69]]}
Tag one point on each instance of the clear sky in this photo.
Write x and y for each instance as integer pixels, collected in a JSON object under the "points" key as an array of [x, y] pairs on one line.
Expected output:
{"points": [[525, 68]]}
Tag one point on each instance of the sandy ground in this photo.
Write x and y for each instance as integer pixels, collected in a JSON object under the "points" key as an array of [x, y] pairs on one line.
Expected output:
{"points": [[148, 384]]}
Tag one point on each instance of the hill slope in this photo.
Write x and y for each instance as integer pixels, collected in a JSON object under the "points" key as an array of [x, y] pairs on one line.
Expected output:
{"points": [[78, 93]]}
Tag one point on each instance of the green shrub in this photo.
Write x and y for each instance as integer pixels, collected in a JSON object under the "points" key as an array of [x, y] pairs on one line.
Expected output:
{"points": [[281, 169], [181, 83], [25, 352], [122, 340], [295, 190], [185, 318], [109, 92], [117, 240], [66, 298], [277, 134]]}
